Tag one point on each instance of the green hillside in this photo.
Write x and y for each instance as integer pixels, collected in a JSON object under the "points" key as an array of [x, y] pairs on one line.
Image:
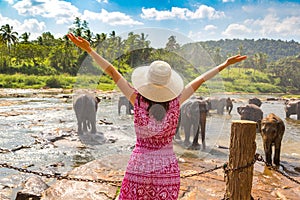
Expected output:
{"points": [[271, 66]]}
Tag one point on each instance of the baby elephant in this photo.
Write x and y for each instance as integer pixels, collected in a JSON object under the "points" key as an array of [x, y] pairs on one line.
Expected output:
{"points": [[272, 129], [85, 107]]}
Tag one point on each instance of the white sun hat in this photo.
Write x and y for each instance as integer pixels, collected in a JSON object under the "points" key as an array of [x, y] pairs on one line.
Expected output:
{"points": [[157, 82]]}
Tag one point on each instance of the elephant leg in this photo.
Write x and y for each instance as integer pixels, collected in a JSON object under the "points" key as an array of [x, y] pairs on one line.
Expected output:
{"points": [[195, 145], [85, 125], [79, 121], [203, 129], [93, 125], [127, 109], [268, 152], [178, 128], [298, 110], [177, 134], [187, 133], [92, 122], [277, 152], [79, 127], [229, 109]]}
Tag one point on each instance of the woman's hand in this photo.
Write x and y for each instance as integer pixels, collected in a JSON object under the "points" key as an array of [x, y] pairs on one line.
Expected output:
{"points": [[235, 59], [80, 42]]}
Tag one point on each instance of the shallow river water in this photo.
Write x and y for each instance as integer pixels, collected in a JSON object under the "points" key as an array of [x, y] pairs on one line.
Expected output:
{"points": [[26, 121]]}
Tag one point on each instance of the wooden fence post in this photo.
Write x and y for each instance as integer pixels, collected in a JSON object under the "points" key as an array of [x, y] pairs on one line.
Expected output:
{"points": [[242, 153]]}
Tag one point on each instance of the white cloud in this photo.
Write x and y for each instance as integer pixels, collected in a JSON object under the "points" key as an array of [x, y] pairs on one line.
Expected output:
{"points": [[210, 28], [206, 12], [111, 18], [28, 25], [102, 1], [9, 1], [61, 11], [202, 12], [273, 25], [226, 1], [236, 30]]}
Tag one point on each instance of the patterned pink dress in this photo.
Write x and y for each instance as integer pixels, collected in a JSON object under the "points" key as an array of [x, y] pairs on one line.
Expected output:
{"points": [[152, 172]]}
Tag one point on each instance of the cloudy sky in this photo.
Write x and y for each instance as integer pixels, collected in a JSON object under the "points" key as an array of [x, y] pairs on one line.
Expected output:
{"points": [[194, 19]]}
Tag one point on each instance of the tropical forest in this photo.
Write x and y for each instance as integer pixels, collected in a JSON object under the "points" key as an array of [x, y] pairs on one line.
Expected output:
{"points": [[272, 66]]}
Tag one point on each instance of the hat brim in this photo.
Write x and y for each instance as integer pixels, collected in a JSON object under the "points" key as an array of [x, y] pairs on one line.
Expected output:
{"points": [[154, 92]]}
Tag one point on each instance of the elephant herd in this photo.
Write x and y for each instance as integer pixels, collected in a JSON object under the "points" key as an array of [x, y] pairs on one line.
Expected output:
{"points": [[192, 121]]}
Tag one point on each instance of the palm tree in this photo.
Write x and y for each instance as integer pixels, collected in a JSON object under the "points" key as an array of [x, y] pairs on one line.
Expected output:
{"points": [[25, 37], [8, 36], [172, 44]]}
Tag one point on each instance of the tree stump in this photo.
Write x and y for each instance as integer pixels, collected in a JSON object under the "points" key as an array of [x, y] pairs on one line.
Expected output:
{"points": [[242, 154]]}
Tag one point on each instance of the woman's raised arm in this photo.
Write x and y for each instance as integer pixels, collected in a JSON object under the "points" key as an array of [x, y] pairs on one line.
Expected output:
{"points": [[106, 66], [195, 84]]}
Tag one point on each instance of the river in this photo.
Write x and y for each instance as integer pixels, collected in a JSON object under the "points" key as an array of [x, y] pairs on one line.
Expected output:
{"points": [[27, 119]]}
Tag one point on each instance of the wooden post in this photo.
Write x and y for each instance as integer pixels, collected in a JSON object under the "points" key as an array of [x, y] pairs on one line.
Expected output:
{"points": [[242, 152]]}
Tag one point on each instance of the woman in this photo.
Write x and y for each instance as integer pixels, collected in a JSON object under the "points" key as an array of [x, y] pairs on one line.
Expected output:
{"points": [[157, 93]]}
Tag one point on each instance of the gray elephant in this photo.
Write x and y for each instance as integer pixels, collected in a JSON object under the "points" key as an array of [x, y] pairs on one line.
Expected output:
{"points": [[85, 107], [272, 130], [193, 117], [219, 104], [255, 101], [123, 101], [251, 112], [292, 107], [229, 105]]}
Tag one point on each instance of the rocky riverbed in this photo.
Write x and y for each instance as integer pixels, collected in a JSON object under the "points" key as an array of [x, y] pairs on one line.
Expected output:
{"points": [[267, 184], [111, 147]]}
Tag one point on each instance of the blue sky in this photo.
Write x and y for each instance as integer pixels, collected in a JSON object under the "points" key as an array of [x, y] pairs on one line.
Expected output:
{"points": [[192, 19]]}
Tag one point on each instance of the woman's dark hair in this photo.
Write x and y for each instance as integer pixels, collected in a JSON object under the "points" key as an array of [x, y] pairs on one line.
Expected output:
{"points": [[156, 109]]}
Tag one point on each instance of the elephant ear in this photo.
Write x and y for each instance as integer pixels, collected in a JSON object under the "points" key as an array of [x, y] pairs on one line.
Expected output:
{"points": [[97, 99], [240, 110]]}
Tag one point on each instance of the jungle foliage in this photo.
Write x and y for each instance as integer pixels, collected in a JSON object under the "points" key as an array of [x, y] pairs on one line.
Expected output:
{"points": [[272, 65]]}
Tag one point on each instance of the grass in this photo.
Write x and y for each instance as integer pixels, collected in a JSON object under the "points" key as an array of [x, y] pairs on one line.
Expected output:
{"points": [[56, 81], [249, 81], [232, 80]]}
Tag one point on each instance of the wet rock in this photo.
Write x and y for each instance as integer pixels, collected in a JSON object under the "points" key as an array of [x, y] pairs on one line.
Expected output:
{"points": [[2, 197], [111, 168], [33, 187], [4, 191]]}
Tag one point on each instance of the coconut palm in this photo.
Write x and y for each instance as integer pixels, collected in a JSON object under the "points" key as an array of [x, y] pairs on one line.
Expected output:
{"points": [[8, 36]]}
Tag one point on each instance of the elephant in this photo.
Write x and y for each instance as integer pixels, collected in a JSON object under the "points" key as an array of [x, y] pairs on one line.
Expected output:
{"points": [[272, 130], [193, 117], [123, 101], [229, 105], [251, 112], [219, 104], [292, 107], [85, 107], [255, 101]]}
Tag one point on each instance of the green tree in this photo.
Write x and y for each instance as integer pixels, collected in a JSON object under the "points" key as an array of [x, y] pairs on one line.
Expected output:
{"points": [[8, 36], [25, 37], [172, 44]]}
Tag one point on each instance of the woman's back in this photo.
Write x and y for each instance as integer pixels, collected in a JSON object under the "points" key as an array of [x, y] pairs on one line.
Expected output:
{"points": [[152, 170]]}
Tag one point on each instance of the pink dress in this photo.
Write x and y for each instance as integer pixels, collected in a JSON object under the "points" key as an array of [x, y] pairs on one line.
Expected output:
{"points": [[152, 172]]}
